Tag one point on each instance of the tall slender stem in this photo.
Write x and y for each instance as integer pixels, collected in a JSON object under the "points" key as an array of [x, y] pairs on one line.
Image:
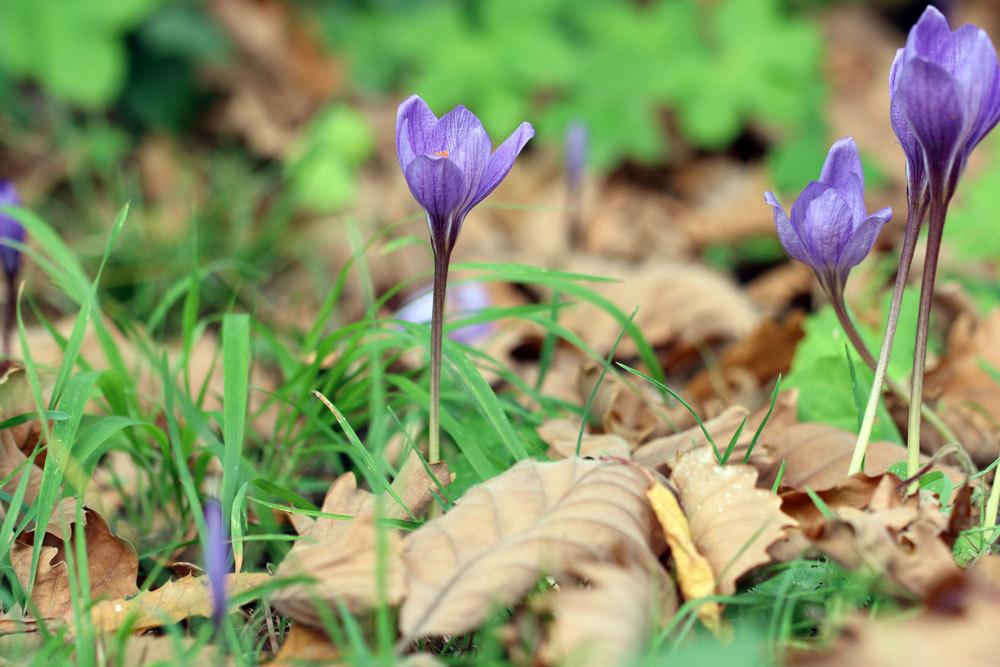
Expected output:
{"points": [[910, 236], [442, 258], [10, 316], [840, 308], [937, 216]]}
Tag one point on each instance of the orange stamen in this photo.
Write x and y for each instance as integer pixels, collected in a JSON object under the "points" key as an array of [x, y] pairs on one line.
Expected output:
{"points": [[441, 153]]}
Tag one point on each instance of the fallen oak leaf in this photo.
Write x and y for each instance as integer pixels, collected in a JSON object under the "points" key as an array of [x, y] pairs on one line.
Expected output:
{"points": [[303, 643], [174, 601], [494, 544], [112, 563], [694, 573], [733, 523]]}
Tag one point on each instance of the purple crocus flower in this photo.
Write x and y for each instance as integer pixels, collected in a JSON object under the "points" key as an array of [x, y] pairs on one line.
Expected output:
{"points": [[945, 98], [576, 154], [450, 165], [467, 299], [829, 228], [10, 229], [216, 559]]}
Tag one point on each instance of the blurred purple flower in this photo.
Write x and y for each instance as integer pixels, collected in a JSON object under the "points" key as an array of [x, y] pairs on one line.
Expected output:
{"points": [[576, 153], [10, 229], [945, 98], [450, 165], [829, 229], [216, 559], [465, 300]]}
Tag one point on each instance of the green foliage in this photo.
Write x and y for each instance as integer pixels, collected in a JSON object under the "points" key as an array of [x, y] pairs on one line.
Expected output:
{"points": [[971, 226], [614, 65], [822, 373], [323, 166], [73, 48]]}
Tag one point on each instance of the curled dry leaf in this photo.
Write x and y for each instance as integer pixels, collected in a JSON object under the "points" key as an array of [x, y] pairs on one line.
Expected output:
{"points": [[534, 519], [342, 556], [305, 644], [112, 563], [681, 305], [732, 522], [694, 573], [968, 638], [609, 620], [875, 526], [561, 436], [624, 408], [174, 601]]}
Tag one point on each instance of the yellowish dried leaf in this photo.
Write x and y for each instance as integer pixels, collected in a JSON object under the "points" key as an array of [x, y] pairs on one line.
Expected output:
{"points": [[534, 519], [732, 522], [561, 436], [305, 644], [694, 573], [174, 601]]}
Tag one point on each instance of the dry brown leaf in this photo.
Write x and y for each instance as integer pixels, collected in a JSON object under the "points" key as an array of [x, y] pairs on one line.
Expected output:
{"points": [[875, 527], [970, 396], [665, 450], [968, 638], [732, 522], [760, 357], [112, 563], [607, 622], [623, 408], [305, 644], [684, 305], [818, 456], [344, 570], [142, 650], [561, 436], [694, 573], [534, 519], [174, 601]]}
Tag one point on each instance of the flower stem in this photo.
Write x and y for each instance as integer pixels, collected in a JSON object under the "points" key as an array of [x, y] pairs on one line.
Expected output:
{"points": [[937, 216], [854, 336], [10, 316], [912, 233], [442, 259]]}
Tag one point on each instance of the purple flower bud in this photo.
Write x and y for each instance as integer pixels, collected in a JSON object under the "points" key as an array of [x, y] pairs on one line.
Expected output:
{"points": [[450, 165], [829, 228], [576, 153], [216, 559], [945, 98], [10, 229], [465, 300]]}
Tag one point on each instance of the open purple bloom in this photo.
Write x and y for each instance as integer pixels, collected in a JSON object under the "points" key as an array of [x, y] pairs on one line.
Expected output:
{"points": [[216, 559], [450, 165], [945, 98], [10, 229], [829, 228]]}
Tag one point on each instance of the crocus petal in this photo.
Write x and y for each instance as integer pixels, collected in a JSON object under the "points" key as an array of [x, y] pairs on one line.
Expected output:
{"points": [[414, 126], [471, 154], [931, 35], [502, 160], [10, 228], [439, 187], [863, 239], [827, 227], [842, 170], [216, 559], [978, 75], [788, 237], [930, 99]]}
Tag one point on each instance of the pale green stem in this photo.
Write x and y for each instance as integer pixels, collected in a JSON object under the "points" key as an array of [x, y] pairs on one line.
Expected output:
{"points": [[992, 505], [441, 261], [937, 216], [910, 237]]}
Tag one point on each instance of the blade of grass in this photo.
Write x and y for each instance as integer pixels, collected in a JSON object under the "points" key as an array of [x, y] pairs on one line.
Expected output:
{"points": [[235, 377]]}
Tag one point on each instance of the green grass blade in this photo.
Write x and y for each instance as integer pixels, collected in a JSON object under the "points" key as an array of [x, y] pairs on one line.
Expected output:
{"points": [[235, 391]]}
